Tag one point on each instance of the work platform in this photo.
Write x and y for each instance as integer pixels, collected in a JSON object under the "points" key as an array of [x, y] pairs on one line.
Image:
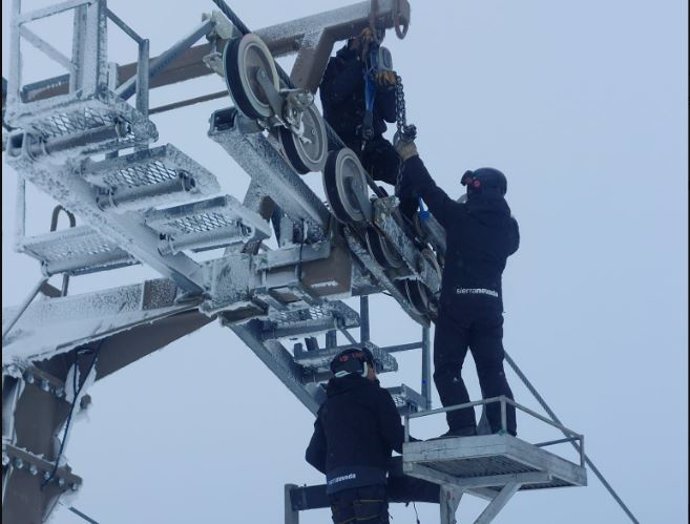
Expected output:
{"points": [[493, 467], [491, 462]]}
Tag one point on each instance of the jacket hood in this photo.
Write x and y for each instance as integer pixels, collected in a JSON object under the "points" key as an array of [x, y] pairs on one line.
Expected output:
{"points": [[338, 386], [488, 207], [346, 53]]}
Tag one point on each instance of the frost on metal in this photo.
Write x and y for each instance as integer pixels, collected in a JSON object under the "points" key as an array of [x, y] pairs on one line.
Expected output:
{"points": [[271, 173], [218, 221], [50, 327], [314, 24], [156, 177], [78, 250]]}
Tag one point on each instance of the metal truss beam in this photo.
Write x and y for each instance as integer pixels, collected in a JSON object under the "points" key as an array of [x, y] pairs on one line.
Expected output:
{"points": [[311, 37]]}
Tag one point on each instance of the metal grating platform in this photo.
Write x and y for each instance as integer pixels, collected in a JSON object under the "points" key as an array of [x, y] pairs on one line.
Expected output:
{"points": [[348, 317], [406, 399], [490, 461], [319, 360], [59, 119], [215, 222], [150, 178], [78, 250]]}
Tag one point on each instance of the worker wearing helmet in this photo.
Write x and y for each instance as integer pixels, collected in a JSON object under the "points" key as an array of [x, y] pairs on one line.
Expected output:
{"points": [[356, 429], [481, 234]]}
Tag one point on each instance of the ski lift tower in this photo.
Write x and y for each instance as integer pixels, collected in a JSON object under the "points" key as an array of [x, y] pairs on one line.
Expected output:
{"points": [[86, 139]]}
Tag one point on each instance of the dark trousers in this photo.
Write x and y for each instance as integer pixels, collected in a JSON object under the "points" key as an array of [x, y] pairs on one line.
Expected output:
{"points": [[364, 504], [481, 333]]}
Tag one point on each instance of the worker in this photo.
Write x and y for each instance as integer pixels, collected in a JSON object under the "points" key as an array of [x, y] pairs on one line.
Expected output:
{"points": [[358, 97], [481, 234], [356, 429]]}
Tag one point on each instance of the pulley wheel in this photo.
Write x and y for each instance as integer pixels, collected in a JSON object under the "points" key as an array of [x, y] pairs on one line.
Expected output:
{"points": [[307, 150], [432, 258], [345, 185], [382, 250], [244, 58], [418, 296]]}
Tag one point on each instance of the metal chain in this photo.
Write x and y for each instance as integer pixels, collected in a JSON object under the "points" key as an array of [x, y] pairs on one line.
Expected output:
{"points": [[400, 114], [405, 131]]}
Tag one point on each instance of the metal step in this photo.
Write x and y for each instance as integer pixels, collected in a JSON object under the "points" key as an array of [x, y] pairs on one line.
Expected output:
{"points": [[318, 361], [99, 124], [212, 223], [406, 399], [78, 250], [312, 321], [149, 178]]}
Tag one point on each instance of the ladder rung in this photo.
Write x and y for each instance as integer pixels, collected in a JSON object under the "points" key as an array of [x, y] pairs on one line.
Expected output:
{"points": [[77, 250], [62, 117], [150, 178], [319, 360], [215, 222]]}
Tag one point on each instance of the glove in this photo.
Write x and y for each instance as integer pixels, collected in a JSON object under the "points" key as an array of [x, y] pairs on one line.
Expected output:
{"points": [[361, 44], [386, 78], [406, 149]]}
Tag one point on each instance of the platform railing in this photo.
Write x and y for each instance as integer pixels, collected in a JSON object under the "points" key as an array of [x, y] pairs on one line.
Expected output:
{"points": [[570, 435]]}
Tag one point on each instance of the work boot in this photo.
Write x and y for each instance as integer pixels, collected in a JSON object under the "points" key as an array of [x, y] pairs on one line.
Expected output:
{"points": [[459, 432]]}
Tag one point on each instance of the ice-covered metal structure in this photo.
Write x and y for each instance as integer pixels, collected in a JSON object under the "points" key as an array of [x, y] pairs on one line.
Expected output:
{"points": [[86, 140]]}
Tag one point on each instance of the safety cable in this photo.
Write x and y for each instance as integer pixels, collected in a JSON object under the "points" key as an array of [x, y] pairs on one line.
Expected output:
{"points": [[546, 407]]}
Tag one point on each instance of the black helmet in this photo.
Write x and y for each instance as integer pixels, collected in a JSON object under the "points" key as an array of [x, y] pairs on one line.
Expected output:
{"points": [[486, 181], [352, 360]]}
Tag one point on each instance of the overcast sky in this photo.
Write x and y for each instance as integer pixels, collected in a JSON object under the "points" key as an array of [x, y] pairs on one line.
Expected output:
{"points": [[584, 106]]}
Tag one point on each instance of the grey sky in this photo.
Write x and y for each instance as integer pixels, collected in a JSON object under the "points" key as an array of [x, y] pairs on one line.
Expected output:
{"points": [[584, 106]]}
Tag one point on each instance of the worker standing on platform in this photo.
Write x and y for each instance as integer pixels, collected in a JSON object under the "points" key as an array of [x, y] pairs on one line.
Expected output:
{"points": [[358, 96], [355, 431], [481, 234]]}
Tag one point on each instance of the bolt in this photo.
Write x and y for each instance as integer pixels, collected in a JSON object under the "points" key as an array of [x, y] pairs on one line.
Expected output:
{"points": [[29, 378], [46, 475], [60, 392], [18, 463], [74, 486], [45, 385], [33, 469], [5, 459], [61, 482]]}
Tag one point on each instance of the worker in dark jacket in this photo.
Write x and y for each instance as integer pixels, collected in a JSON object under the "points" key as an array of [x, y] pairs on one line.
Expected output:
{"points": [[355, 431], [357, 102], [481, 234]]}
